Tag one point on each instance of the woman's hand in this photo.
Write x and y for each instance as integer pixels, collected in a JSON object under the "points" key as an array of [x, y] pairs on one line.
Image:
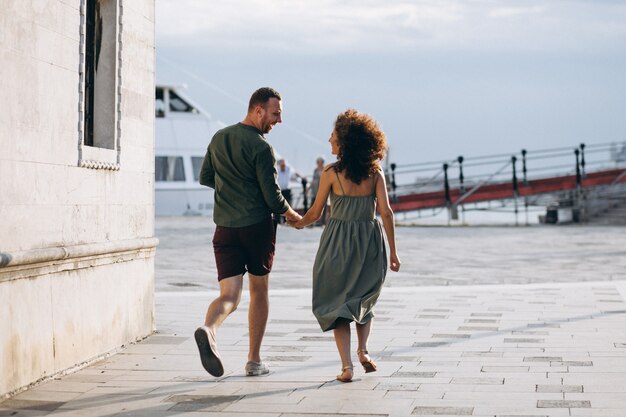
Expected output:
{"points": [[295, 225], [395, 262]]}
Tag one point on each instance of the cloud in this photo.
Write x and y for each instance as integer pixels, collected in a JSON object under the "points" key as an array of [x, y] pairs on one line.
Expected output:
{"points": [[516, 11], [294, 24], [326, 26]]}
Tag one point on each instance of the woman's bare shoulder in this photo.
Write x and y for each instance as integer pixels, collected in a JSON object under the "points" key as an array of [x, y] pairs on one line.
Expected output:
{"points": [[328, 173], [329, 166]]}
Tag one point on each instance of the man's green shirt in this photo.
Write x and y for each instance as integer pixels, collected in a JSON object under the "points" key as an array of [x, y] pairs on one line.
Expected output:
{"points": [[241, 167]]}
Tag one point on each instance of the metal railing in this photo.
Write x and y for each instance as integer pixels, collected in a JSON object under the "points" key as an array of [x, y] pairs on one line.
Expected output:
{"points": [[492, 169]]}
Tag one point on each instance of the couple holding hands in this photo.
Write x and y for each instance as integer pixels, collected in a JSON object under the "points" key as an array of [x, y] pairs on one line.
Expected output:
{"points": [[351, 262]]}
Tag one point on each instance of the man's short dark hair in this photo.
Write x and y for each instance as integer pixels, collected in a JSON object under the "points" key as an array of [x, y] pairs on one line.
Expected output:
{"points": [[262, 96]]}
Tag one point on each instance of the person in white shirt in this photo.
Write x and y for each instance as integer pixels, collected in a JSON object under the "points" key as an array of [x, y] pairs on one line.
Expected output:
{"points": [[286, 174]]}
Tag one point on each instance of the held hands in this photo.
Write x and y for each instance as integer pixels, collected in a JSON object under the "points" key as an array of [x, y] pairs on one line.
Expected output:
{"points": [[294, 225], [292, 218], [395, 262]]}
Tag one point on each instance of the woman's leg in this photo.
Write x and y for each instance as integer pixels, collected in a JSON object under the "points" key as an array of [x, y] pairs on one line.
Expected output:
{"points": [[342, 339], [363, 334]]}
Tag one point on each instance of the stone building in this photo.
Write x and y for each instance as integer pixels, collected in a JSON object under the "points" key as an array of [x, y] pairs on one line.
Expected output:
{"points": [[76, 183]]}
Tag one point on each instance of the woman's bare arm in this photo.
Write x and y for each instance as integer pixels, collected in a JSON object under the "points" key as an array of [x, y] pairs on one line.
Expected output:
{"points": [[386, 214], [316, 210]]}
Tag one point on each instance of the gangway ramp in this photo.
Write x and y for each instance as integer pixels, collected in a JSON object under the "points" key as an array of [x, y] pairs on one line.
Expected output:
{"points": [[504, 190], [443, 189]]}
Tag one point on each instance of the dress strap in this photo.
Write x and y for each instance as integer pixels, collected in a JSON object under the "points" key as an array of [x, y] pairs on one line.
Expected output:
{"points": [[375, 181], [342, 191]]}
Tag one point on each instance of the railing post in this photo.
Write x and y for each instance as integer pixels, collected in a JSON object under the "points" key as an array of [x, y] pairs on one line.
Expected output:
{"points": [[461, 177], [515, 189], [524, 166], [578, 176], [513, 161], [446, 189], [525, 182], [579, 210], [582, 159], [446, 185], [305, 200], [393, 182]]}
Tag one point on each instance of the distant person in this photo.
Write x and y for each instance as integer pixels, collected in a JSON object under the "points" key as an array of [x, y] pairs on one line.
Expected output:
{"points": [[285, 175], [315, 184], [240, 166], [351, 262]]}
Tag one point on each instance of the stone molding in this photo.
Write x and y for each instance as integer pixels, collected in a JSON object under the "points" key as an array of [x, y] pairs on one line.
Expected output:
{"points": [[113, 166], [44, 261]]}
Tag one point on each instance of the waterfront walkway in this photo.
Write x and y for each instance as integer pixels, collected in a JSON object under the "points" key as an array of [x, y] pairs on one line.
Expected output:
{"points": [[547, 349]]}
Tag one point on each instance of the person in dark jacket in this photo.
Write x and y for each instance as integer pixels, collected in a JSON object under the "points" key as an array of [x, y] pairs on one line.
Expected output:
{"points": [[240, 166]]}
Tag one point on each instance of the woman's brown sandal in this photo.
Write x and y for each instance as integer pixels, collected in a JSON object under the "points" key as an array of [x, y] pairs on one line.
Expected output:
{"points": [[368, 365], [341, 378]]}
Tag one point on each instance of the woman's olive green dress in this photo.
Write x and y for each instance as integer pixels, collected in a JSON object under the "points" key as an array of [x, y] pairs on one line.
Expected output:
{"points": [[351, 262]]}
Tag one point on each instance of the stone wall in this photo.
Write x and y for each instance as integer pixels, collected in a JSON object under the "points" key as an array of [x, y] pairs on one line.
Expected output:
{"points": [[76, 234]]}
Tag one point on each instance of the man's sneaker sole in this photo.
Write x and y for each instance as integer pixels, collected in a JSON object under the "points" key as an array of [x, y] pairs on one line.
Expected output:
{"points": [[208, 353], [257, 373]]}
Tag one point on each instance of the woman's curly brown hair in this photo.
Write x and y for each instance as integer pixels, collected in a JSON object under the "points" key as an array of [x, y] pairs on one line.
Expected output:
{"points": [[362, 144]]}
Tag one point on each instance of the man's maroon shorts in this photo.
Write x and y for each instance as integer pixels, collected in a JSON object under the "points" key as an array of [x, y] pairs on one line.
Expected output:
{"points": [[241, 249]]}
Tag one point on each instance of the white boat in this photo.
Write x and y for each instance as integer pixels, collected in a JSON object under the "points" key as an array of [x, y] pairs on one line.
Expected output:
{"points": [[183, 131]]}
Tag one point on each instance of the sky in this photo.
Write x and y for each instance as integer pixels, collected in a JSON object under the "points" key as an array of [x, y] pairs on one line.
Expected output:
{"points": [[442, 77]]}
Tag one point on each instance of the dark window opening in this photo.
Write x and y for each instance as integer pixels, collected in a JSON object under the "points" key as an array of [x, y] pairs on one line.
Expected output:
{"points": [[180, 105], [196, 164], [100, 73], [91, 64], [169, 168], [159, 103]]}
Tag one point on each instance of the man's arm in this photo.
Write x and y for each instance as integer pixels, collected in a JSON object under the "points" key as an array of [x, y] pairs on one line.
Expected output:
{"points": [[207, 173]]}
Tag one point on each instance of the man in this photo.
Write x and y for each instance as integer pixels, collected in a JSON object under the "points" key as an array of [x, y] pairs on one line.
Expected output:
{"points": [[240, 166]]}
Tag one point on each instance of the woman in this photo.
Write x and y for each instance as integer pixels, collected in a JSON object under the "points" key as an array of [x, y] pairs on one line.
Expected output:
{"points": [[351, 262]]}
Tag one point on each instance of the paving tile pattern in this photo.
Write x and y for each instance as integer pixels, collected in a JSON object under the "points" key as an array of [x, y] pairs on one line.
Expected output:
{"points": [[427, 367], [462, 348]]}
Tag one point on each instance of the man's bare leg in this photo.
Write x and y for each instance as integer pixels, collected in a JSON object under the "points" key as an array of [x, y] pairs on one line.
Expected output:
{"points": [[257, 314], [219, 309], [226, 303]]}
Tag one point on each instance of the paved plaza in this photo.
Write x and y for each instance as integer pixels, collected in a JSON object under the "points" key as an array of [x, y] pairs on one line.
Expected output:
{"points": [[480, 322]]}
